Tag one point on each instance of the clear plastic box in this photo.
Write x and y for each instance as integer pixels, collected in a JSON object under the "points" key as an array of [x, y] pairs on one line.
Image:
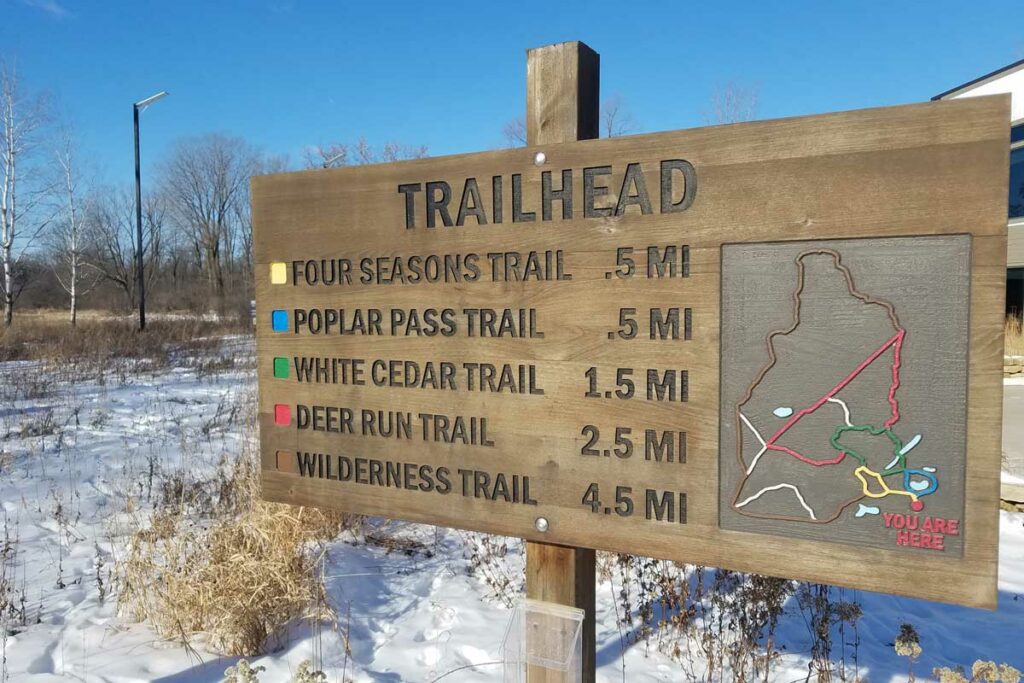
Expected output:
{"points": [[543, 641]]}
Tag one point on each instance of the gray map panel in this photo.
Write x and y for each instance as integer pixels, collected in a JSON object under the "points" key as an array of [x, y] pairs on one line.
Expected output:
{"points": [[844, 384]]}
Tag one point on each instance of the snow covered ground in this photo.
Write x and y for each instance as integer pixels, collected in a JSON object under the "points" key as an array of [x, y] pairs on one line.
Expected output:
{"points": [[1013, 437], [76, 456]]}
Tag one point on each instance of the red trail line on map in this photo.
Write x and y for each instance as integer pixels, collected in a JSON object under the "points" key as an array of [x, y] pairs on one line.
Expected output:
{"points": [[804, 458], [895, 339]]}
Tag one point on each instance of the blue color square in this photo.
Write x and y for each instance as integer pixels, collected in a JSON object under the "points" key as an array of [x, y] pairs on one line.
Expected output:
{"points": [[279, 321]]}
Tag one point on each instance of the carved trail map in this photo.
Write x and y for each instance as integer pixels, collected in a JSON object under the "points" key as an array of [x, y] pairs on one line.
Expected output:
{"points": [[832, 354]]}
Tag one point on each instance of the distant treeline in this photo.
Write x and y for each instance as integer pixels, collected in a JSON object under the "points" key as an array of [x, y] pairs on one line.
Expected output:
{"points": [[67, 241]]}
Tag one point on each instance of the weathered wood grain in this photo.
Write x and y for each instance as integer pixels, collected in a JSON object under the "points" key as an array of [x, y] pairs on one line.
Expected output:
{"points": [[563, 102]]}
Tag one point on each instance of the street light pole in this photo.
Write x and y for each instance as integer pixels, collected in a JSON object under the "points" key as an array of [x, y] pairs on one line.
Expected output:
{"points": [[139, 256], [141, 283]]}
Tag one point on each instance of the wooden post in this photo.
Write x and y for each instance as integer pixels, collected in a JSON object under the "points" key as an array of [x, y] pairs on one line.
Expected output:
{"points": [[562, 105]]}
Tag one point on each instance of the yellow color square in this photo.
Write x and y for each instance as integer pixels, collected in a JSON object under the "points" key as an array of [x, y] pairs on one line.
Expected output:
{"points": [[278, 274]]}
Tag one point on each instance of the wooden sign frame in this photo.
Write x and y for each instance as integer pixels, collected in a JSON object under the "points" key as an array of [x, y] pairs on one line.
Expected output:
{"points": [[925, 169]]}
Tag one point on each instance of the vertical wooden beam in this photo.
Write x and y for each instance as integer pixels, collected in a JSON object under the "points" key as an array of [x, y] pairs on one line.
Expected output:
{"points": [[562, 105], [566, 576], [563, 92]]}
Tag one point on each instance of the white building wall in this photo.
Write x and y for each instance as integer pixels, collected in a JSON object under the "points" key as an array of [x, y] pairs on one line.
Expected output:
{"points": [[1015, 245], [1012, 83]]}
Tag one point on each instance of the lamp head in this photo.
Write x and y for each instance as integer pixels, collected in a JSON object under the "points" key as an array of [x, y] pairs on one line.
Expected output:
{"points": [[142, 104]]}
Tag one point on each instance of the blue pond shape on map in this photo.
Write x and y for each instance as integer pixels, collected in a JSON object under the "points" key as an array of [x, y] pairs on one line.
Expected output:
{"points": [[920, 488], [863, 509]]}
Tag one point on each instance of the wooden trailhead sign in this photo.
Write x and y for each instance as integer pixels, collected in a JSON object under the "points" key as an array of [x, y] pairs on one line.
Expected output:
{"points": [[772, 346]]}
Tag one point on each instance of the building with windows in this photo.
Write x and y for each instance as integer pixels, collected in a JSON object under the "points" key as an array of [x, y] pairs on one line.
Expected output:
{"points": [[1009, 79]]}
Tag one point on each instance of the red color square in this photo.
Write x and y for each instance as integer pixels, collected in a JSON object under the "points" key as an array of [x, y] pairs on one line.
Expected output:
{"points": [[282, 415]]}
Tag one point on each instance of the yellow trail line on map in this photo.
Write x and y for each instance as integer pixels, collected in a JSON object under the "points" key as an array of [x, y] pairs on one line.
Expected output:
{"points": [[859, 473]]}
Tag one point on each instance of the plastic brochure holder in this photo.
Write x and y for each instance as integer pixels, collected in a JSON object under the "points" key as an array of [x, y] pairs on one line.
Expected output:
{"points": [[545, 638]]}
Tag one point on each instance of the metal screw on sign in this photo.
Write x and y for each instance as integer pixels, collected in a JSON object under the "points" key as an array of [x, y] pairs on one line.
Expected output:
{"points": [[541, 524], [539, 159]]}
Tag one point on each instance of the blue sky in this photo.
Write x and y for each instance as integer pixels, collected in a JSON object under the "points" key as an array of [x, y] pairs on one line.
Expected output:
{"points": [[286, 74]]}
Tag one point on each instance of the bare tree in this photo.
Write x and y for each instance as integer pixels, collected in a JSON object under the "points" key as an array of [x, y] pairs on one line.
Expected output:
{"points": [[615, 118], [243, 215], [515, 132], [391, 151], [112, 236], [180, 268], [68, 238], [21, 118], [206, 179], [733, 103], [364, 154], [336, 154]]}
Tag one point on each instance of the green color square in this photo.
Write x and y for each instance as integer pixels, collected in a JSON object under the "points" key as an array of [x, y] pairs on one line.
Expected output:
{"points": [[281, 368]]}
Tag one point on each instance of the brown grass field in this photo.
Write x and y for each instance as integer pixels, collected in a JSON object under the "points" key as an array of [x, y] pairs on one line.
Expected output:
{"points": [[46, 334]]}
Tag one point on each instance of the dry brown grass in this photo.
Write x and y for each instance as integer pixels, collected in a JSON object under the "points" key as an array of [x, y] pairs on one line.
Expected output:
{"points": [[239, 582], [1014, 337], [46, 335]]}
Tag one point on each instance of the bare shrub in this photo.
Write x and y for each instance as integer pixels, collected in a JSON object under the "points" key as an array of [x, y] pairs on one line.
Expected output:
{"points": [[908, 644], [240, 583], [43, 425], [240, 578], [1014, 336], [12, 607], [307, 674], [488, 559], [243, 672], [982, 671], [391, 536], [691, 613], [722, 625], [831, 620]]}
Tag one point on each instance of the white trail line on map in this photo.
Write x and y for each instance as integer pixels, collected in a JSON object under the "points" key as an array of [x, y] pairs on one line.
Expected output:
{"points": [[766, 489]]}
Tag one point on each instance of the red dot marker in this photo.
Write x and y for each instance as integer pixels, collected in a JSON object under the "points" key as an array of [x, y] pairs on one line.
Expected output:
{"points": [[282, 415], [917, 506]]}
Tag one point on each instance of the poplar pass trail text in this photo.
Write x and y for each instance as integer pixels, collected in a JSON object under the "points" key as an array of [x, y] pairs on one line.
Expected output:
{"points": [[429, 322]]}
